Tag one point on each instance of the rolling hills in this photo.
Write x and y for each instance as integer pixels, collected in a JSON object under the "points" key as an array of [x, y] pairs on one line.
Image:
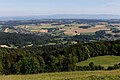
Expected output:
{"points": [[61, 16]]}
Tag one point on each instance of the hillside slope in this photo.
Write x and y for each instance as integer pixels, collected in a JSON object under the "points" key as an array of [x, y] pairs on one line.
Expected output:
{"points": [[101, 60], [85, 75]]}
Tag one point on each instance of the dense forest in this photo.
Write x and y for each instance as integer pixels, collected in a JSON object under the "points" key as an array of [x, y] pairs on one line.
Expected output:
{"points": [[21, 40], [55, 58]]}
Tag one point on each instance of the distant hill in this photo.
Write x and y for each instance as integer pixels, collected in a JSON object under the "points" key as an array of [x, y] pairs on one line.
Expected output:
{"points": [[62, 16]]}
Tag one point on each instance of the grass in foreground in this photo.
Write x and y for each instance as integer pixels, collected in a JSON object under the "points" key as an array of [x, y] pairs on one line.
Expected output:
{"points": [[101, 60], [77, 75]]}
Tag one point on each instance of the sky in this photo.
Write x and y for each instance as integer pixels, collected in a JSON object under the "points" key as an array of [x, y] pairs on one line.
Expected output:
{"points": [[51, 7]]}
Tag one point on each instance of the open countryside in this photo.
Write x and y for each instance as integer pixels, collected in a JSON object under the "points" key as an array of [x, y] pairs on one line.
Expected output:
{"points": [[59, 40]]}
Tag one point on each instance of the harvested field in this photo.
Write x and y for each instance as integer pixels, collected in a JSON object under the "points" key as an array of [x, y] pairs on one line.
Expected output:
{"points": [[76, 30]]}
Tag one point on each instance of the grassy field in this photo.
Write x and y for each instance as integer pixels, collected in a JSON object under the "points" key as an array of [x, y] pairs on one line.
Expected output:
{"points": [[77, 75], [101, 60], [35, 27]]}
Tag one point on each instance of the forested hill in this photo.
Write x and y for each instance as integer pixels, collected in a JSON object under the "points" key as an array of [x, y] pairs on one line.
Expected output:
{"points": [[53, 58]]}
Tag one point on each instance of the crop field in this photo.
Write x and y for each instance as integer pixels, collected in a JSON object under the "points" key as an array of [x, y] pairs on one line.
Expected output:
{"points": [[77, 30], [101, 60], [73, 29], [76, 75], [35, 27]]}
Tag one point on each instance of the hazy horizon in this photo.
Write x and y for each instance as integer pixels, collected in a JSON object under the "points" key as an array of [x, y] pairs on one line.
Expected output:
{"points": [[61, 15], [52, 7]]}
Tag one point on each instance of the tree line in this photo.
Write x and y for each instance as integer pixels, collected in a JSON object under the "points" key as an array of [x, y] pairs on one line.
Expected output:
{"points": [[54, 58]]}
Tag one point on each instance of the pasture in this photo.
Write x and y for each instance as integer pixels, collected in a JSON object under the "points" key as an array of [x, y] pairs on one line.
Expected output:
{"points": [[101, 60], [76, 75]]}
